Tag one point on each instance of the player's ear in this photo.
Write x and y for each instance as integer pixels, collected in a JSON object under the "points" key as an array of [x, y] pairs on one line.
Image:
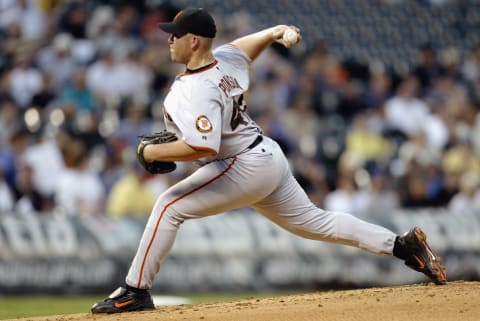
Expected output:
{"points": [[195, 42], [203, 43]]}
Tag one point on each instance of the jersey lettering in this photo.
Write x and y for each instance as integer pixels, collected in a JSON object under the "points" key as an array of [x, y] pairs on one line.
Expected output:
{"points": [[227, 83], [239, 107]]}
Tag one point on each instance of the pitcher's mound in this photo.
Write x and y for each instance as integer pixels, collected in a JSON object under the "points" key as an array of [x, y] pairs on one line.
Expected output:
{"points": [[421, 302]]}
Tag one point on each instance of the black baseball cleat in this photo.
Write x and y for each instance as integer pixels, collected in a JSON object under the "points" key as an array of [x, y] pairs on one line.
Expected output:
{"points": [[417, 254], [123, 300]]}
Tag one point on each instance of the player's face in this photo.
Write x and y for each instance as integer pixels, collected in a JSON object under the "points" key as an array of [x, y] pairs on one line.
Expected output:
{"points": [[180, 49]]}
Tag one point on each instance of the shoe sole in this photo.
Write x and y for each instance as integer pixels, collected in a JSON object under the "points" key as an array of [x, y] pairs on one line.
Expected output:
{"points": [[112, 310], [109, 307], [436, 264]]}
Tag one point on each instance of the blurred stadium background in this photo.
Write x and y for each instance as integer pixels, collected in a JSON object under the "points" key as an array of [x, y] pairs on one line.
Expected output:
{"points": [[377, 110]]}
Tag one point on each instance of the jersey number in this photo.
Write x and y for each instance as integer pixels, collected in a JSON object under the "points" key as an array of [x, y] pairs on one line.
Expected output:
{"points": [[239, 107]]}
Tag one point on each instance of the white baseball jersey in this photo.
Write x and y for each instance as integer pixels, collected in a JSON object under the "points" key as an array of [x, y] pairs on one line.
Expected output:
{"points": [[206, 108]]}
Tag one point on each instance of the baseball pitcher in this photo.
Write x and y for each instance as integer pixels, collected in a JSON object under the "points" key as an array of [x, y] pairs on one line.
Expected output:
{"points": [[238, 165]]}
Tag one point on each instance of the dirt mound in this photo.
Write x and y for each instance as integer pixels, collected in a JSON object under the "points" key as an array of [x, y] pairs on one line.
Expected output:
{"points": [[455, 301]]}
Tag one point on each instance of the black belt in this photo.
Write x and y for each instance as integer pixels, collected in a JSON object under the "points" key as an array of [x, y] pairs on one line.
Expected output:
{"points": [[257, 141]]}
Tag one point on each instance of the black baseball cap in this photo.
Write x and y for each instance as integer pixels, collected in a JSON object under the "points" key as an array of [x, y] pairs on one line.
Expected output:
{"points": [[191, 20]]}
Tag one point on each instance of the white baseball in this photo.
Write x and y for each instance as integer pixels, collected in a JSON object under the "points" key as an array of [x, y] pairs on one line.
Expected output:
{"points": [[290, 36]]}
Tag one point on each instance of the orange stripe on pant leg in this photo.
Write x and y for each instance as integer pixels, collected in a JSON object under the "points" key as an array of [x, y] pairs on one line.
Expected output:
{"points": [[173, 202]]}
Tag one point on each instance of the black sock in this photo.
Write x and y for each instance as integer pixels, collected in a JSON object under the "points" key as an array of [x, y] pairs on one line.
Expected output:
{"points": [[399, 248], [136, 290]]}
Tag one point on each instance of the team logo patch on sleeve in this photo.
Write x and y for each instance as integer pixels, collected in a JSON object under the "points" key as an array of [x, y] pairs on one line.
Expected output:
{"points": [[203, 124]]}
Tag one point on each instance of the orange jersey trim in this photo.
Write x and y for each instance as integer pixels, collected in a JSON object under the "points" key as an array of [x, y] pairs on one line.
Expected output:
{"points": [[147, 251]]}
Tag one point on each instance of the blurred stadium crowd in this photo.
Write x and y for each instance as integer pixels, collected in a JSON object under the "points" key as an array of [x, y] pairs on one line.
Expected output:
{"points": [[80, 80]]}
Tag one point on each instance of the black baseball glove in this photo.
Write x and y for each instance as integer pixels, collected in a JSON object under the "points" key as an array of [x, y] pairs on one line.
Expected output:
{"points": [[156, 167]]}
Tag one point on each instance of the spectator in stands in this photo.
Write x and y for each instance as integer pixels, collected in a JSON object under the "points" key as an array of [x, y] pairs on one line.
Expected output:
{"points": [[119, 36], [132, 78], [25, 80], [378, 90], [381, 198], [449, 59], [99, 76], [113, 167], [132, 194], [9, 120], [417, 151], [365, 142], [346, 197], [27, 197], [461, 157], [274, 127], [26, 15], [471, 66], [44, 157], [413, 187], [473, 120], [10, 13], [273, 84], [418, 148], [57, 62], [11, 40], [6, 197], [448, 95], [468, 197], [155, 58], [46, 95], [77, 93], [327, 74], [134, 122], [74, 19], [471, 72], [265, 95], [5, 87], [11, 152], [99, 23], [304, 135], [351, 100], [427, 68], [86, 128], [436, 129], [405, 113], [78, 190]]}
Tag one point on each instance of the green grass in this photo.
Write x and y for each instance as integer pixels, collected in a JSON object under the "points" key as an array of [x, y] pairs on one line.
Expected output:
{"points": [[19, 307], [32, 306]]}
